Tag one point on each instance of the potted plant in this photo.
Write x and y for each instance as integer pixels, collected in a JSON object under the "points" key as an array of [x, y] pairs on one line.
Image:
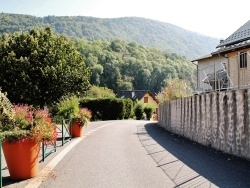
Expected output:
{"points": [[68, 108], [80, 119], [22, 128]]}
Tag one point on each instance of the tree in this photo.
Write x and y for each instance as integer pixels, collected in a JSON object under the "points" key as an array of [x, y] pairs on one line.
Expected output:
{"points": [[96, 70], [121, 66], [40, 67], [175, 89], [98, 92]]}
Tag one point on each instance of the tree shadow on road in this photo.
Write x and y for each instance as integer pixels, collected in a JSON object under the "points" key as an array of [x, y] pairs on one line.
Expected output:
{"points": [[192, 162]]}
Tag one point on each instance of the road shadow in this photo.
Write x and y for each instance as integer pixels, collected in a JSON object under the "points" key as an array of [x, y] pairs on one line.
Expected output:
{"points": [[221, 169], [8, 181]]}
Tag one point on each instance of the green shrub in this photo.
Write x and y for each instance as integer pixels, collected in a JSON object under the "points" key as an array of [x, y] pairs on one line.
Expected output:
{"points": [[128, 105], [139, 111], [68, 106], [148, 111]]}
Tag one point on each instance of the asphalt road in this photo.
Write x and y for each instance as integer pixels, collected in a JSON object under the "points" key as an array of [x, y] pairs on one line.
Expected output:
{"points": [[112, 156], [138, 154]]}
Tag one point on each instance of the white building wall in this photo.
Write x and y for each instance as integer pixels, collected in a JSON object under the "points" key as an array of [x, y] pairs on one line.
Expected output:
{"points": [[208, 66]]}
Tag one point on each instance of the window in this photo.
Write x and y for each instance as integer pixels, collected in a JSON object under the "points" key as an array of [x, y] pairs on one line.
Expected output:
{"points": [[145, 99], [156, 110], [243, 60]]}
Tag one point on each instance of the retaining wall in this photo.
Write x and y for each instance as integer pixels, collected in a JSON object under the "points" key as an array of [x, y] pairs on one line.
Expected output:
{"points": [[220, 120]]}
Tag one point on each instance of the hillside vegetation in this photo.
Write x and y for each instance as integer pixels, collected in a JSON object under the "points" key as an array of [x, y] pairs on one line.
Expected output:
{"points": [[43, 60], [164, 36], [123, 66]]}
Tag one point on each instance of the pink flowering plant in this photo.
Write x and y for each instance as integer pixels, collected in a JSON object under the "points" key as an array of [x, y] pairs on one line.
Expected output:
{"points": [[82, 117], [175, 89], [21, 122]]}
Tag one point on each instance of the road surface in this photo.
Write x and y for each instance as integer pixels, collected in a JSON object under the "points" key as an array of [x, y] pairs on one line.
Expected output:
{"points": [[133, 153]]}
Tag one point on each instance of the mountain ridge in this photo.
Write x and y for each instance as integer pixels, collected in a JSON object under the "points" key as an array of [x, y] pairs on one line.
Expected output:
{"points": [[148, 32]]}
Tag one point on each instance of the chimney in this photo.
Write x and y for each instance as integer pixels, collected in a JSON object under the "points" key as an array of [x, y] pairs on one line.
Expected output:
{"points": [[133, 94]]}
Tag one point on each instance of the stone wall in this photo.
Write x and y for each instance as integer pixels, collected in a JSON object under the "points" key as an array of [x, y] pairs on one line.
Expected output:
{"points": [[220, 120]]}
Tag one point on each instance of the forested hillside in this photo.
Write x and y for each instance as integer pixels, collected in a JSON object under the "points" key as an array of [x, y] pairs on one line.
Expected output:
{"points": [[164, 36], [41, 59], [122, 66]]}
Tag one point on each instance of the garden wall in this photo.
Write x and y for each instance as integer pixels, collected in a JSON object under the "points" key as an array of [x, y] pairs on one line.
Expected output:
{"points": [[220, 120]]}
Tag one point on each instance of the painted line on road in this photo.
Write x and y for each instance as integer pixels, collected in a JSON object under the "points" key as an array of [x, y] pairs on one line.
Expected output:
{"points": [[106, 125], [86, 134], [36, 181], [46, 170]]}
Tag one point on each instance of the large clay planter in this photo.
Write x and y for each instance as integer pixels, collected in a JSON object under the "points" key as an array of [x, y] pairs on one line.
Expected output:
{"points": [[22, 158], [76, 130]]}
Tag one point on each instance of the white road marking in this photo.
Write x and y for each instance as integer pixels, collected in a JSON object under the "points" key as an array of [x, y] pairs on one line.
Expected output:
{"points": [[86, 134], [46, 170]]}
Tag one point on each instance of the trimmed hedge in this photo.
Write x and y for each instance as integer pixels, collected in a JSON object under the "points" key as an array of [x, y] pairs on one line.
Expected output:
{"points": [[107, 108]]}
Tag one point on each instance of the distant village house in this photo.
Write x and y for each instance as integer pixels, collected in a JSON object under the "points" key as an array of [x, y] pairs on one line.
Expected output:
{"points": [[143, 96]]}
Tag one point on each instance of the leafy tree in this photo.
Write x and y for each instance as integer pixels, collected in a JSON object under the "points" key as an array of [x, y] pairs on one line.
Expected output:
{"points": [[40, 67], [120, 66], [97, 71], [125, 84], [99, 92], [175, 89], [118, 46]]}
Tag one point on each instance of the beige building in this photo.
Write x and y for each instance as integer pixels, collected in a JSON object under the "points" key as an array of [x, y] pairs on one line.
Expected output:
{"points": [[239, 62], [149, 98], [228, 67]]}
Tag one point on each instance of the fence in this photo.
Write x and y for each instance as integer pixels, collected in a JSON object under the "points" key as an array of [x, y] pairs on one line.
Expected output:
{"points": [[217, 119]]}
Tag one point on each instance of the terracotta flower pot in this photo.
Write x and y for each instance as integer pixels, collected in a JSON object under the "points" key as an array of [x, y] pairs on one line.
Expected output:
{"points": [[76, 130], [22, 158]]}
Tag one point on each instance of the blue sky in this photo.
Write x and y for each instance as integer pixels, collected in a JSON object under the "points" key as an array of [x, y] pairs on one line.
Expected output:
{"points": [[216, 18]]}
